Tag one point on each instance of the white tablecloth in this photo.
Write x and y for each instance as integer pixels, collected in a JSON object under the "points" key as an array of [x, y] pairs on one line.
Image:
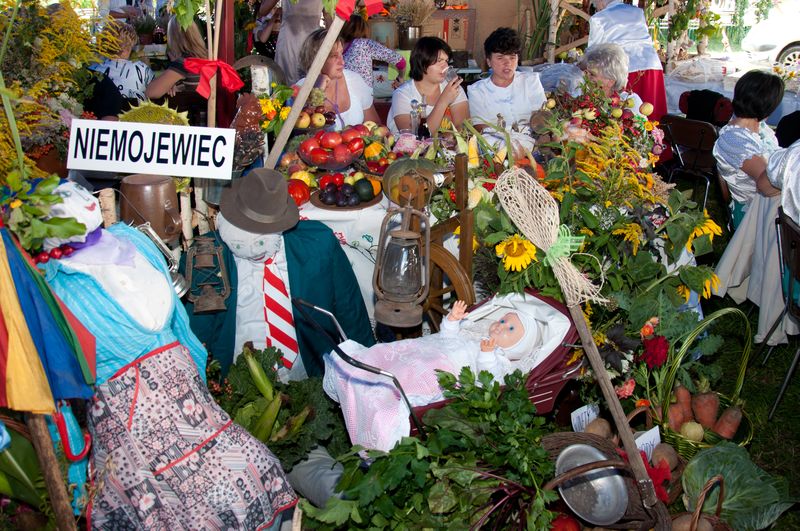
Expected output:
{"points": [[676, 87], [750, 268], [358, 232]]}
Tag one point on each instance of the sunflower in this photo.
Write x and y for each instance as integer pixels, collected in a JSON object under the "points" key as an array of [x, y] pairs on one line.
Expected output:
{"points": [[517, 252], [708, 226], [711, 283], [685, 292]]}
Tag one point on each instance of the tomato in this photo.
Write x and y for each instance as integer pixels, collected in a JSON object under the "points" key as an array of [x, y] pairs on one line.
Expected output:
{"points": [[338, 179], [299, 191], [564, 522], [391, 156], [350, 134], [324, 181], [342, 155], [383, 161], [318, 134], [308, 145], [319, 156], [330, 140], [356, 145]]}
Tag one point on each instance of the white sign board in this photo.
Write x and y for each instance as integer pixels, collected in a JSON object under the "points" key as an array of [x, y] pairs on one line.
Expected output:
{"points": [[174, 150], [582, 416]]}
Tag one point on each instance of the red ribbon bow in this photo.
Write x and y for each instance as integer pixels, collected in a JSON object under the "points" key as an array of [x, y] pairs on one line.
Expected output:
{"points": [[345, 8], [229, 79]]}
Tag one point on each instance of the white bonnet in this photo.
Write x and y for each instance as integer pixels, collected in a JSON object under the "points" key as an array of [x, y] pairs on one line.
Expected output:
{"points": [[529, 341]]}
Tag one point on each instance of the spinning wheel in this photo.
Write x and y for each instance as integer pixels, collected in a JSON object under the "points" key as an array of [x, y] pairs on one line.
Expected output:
{"points": [[447, 280]]}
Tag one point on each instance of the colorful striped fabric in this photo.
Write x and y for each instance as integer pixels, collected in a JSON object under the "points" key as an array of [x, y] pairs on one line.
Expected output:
{"points": [[23, 384]]}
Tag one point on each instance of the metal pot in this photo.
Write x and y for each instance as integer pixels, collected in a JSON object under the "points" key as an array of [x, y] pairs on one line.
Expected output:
{"points": [[153, 199]]}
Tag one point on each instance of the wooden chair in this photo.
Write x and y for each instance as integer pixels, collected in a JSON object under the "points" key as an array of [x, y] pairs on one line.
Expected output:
{"points": [[692, 141], [789, 249]]}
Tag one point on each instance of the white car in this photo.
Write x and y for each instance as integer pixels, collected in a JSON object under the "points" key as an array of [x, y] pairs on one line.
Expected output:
{"points": [[777, 37]]}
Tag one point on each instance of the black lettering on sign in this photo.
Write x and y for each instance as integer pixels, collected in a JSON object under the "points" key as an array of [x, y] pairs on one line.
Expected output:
{"points": [[182, 146], [118, 141], [203, 148], [221, 161], [83, 141], [138, 153], [148, 157], [101, 143], [163, 145]]}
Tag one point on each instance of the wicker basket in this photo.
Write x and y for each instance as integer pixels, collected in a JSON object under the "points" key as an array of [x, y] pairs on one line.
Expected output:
{"points": [[715, 520], [637, 516], [686, 447]]}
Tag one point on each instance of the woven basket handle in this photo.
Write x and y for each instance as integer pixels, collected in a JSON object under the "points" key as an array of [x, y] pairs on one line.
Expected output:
{"points": [[582, 469], [701, 498], [648, 415]]}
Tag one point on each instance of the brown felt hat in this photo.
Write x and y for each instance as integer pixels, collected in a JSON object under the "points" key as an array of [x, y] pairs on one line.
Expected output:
{"points": [[260, 203]]}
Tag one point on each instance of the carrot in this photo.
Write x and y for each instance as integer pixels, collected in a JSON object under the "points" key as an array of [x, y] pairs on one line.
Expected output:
{"points": [[684, 398], [675, 415], [728, 422], [705, 405]]}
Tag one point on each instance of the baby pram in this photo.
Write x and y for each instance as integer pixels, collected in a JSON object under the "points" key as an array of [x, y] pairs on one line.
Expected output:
{"points": [[547, 368]]}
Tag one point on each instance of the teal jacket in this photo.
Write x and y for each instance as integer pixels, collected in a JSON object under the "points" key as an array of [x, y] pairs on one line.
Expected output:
{"points": [[319, 273]]}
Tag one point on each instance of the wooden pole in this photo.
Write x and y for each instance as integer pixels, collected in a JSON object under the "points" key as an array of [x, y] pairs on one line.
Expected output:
{"points": [[643, 481], [54, 482], [302, 96], [552, 30], [108, 206]]}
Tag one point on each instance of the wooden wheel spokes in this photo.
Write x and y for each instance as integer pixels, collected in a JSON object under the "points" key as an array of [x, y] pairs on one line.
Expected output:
{"points": [[447, 278]]}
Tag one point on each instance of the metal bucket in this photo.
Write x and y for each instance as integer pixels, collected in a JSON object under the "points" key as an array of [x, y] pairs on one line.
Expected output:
{"points": [[153, 199]]}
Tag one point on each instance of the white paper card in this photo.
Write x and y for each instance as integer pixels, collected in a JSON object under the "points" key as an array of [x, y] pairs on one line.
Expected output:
{"points": [[648, 440], [582, 416], [130, 147]]}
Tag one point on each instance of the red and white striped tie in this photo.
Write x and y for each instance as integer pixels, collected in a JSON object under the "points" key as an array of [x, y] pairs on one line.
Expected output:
{"points": [[278, 315]]}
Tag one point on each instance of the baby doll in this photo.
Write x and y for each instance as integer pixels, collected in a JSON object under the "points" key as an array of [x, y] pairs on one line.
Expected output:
{"points": [[509, 339]]}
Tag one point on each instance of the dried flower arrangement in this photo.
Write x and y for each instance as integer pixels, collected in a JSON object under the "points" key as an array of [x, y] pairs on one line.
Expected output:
{"points": [[412, 12]]}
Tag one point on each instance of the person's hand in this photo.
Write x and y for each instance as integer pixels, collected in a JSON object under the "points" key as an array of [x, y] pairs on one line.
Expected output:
{"points": [[173, 90], [322, 81], [450, 92], [397, 82], [488, 344], [458, 312]]}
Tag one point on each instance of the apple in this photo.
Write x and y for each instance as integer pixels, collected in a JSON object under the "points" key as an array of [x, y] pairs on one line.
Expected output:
{"points": [[630, 103], [355, 145], [303, 121], [627, 114], [324, 180], [318, 119], [303, 176], [370, 125], [357, 176], [550, 103], [388, 141], [646, 109], [288, 158], [349, 134], [338, 179], [296, 166], [341, 154], [308, 145], [349, 179], [330, 140], [616, 112], [319, 156], [381, 131], [362, 129]]}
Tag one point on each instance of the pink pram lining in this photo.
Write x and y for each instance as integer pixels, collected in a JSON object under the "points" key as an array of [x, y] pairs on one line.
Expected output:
{"points": [[375, 415]]}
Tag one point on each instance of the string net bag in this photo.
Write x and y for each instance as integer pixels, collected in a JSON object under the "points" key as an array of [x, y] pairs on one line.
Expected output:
{"points": [[535, 213]]}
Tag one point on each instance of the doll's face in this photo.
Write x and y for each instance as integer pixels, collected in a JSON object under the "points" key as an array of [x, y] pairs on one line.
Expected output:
{"points": [[79, 203], [507, 331]]}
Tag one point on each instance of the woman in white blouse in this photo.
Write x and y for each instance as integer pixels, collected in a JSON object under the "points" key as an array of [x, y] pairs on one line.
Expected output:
{"points": [[745, 144], [624, 24], [445, 101]]}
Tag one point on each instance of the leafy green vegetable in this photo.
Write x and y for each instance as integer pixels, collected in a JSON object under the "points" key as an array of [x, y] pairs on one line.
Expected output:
{"points": [[753, 499], [307, 417], [482, 465]]}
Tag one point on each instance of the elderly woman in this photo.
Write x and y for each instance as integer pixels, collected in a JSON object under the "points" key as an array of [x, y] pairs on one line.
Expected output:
{"points": [[444, 101], [181, 45], [745, 144], [346, 94], [607, 65], [506, 92], [625, 24]]}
